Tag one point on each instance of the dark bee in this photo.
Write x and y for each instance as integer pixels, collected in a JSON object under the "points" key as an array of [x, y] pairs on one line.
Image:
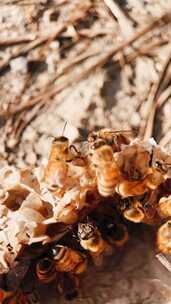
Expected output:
{"points": [[92, 241], [115, 139], [68, 260]]}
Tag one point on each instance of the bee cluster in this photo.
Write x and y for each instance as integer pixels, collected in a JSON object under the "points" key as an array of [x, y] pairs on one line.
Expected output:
{"points": [[75, 210]]}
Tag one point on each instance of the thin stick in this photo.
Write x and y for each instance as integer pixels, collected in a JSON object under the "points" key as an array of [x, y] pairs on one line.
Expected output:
{"points": [[17, 40], [154, 95], [124, 23], [164, 97]]}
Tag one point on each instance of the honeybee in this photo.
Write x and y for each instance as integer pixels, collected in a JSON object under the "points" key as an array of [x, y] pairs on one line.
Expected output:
{"points": [[57, 167], [107, 172], [68, 260], [45, 270], [164, 238], [115, 139], [91, 240]]}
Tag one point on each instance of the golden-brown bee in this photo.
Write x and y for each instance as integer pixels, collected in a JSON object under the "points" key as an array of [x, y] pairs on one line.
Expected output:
{"points": [[115, 139], [57, 167], [107, 172], [68, 260], [92, 241], [164, 238], [45, 270]]}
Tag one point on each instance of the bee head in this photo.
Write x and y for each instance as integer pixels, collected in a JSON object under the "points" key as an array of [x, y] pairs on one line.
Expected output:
{"points": [[86, 231]]}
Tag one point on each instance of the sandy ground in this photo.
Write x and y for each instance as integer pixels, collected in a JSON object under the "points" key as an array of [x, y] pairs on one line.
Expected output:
{"points": [[114, 93]]}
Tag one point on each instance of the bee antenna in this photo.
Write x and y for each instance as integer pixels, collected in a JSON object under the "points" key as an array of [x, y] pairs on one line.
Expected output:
{"points": [[64, 127]]}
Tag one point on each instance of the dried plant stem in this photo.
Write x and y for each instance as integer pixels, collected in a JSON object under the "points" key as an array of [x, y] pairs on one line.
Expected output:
{"points": [[124, 23], [152, 100]]}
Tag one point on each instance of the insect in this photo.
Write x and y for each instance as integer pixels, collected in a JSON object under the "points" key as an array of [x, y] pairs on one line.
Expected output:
{"points": [[45, 270], [68, 260], [91, 240], [115, 139], [107, 172], [57, 167]]}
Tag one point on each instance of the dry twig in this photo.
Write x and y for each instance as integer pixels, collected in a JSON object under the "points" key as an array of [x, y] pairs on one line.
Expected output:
{"points": [[153, 98]]}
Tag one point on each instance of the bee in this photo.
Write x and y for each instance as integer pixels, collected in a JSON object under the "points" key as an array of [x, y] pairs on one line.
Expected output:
{"points": [[68, 260], [107, 172], [45, 270], [115, 139], [164, 237], [91, 240], [57, 167]]}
